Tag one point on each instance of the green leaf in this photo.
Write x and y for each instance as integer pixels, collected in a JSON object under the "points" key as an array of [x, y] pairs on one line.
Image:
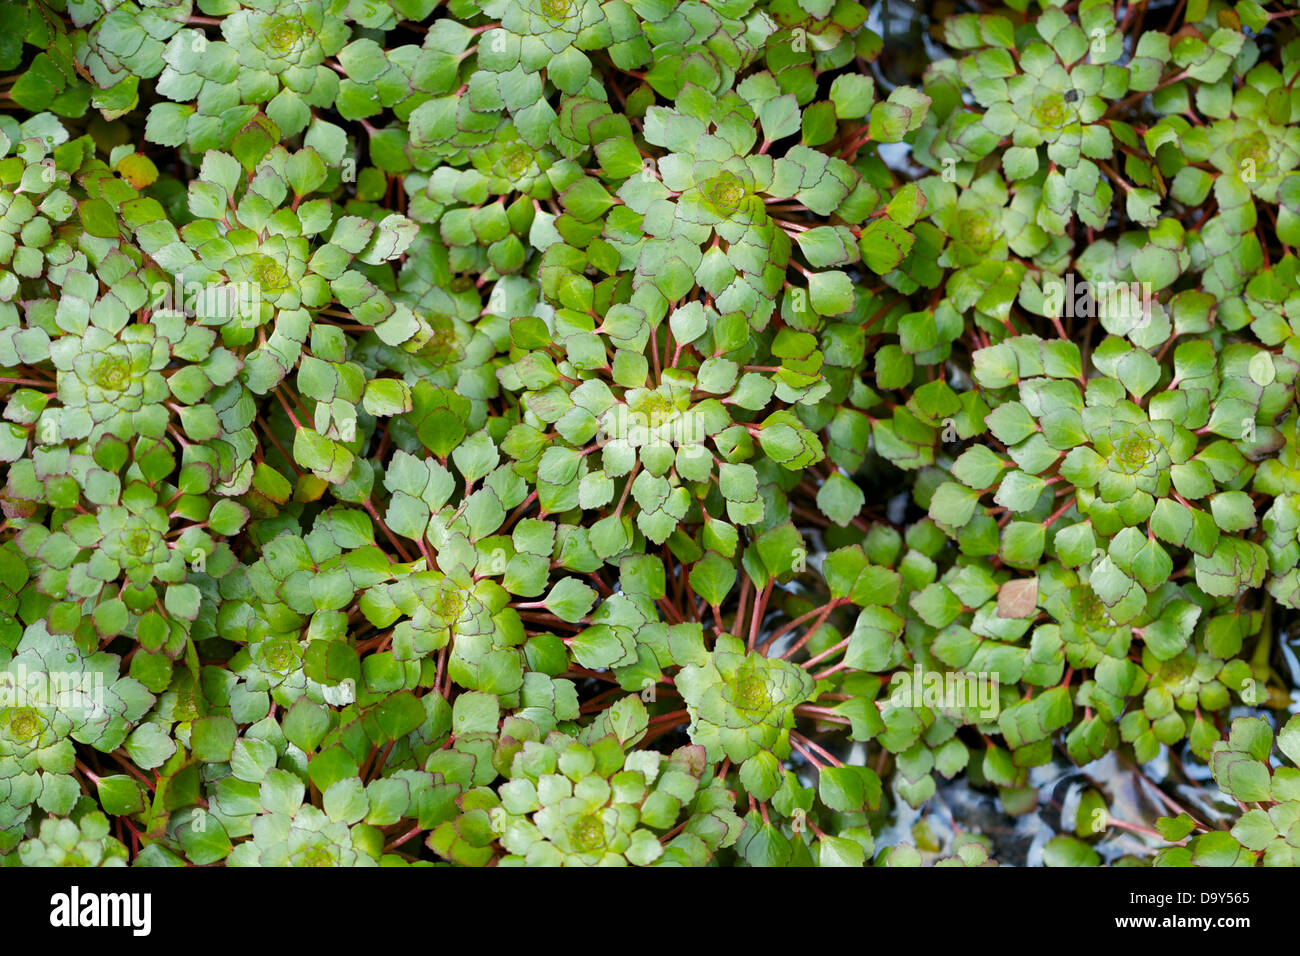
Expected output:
{"points": [[830, 293], [98, 218], [712, 578], [213, 739], [1069, 851], [840, 499], [120, 795], [849, 789], [570, 600]]}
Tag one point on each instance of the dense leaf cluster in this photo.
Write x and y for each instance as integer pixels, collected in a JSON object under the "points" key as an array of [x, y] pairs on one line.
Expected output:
{"points": [[566, 432]]}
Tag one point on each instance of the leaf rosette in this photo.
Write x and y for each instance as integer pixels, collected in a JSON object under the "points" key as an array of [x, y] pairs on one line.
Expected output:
{"points": [[742, 703], [111, 384], [66, 842]]}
